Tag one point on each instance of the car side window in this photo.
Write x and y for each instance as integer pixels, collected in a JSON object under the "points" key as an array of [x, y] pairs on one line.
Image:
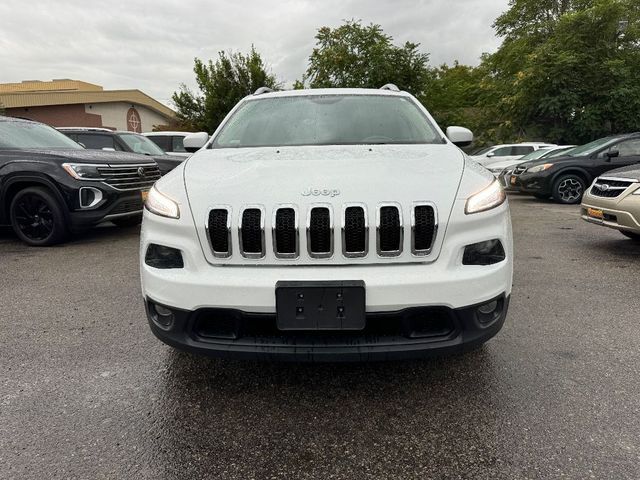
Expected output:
{"points": [[163, 141], [629, 148], [95, 141], [502, 152], [177, 144], [521, 150]]}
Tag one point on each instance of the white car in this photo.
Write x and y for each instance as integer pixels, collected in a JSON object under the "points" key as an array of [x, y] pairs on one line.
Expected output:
{"points": [[505, 153], [333, 224], [171, 142]]}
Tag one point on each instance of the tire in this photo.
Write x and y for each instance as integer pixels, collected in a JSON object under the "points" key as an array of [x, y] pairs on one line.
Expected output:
{"points": [[631, 235], [539, 196], [125, 222], [568, 189], [37, 218]]}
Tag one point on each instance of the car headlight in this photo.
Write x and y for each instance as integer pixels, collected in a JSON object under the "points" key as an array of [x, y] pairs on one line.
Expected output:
{"points": [[83, 171], [637, 192], [539, 168], [162, 205], [489, 198]]}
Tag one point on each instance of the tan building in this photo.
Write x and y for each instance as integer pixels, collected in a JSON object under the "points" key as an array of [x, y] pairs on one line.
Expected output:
{"points": [[72, 103]]}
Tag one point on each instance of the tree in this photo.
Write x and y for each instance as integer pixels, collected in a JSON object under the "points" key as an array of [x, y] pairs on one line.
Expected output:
{"points": [[357, 56], [220, 86]]}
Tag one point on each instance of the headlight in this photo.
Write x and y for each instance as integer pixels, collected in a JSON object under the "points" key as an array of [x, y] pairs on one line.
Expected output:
{"points": [[83, 171], [539, 168], [489, 198], [162, 205], [637, 192]]}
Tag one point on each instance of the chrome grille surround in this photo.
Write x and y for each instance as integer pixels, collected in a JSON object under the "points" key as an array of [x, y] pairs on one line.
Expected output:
{"points": [[127, 177], [389, 253], [423, 252], [229, 211], [277, 208], [261, 253], [313, 254], [366, 231], [611, 187]]}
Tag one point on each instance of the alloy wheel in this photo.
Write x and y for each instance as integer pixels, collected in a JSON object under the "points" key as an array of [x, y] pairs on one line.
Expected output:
{"points": [[570, 190], [34, 217]]}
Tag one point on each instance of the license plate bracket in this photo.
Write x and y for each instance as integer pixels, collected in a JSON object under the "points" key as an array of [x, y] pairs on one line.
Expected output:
{"points": [[320, 305]]}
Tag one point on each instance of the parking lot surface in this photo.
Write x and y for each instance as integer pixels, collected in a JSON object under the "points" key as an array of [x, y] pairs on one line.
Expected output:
{"points": [[86, 391]]}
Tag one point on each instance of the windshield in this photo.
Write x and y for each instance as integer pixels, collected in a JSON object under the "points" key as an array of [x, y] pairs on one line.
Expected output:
{"points": [[482, 151], [589, 148], [559, 152], [140, 144], [25, 135], [535, 154], [327, 120]]}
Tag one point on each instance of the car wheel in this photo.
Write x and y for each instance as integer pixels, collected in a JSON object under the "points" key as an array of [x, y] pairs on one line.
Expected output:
{"points": [[568, 189], [631, 235], [131, 221], [37, 217]]}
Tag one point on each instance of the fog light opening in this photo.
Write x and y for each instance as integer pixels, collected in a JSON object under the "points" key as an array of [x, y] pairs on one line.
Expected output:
{"points": [[484, 253], [488, 308], [490, 312], [161, 316], [159, 256]]}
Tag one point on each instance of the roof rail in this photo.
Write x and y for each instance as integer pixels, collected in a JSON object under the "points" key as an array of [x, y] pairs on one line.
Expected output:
{"points": [[85, 129], [262, 90], [390, 86]]}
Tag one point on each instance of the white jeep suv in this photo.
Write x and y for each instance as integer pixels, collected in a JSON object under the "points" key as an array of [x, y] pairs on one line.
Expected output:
{"points": [[335, 224]]}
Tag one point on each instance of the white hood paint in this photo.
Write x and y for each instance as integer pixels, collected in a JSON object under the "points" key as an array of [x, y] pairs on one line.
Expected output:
{"points": [[361, 174]]}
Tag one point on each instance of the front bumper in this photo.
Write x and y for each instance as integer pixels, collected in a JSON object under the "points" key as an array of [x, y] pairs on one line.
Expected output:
{"points": [[620, 213], [533, 183], [409, 333]]}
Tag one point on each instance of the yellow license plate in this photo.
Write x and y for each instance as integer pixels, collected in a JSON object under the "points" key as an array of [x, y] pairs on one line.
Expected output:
{"points": [[145, 194], [595, 213], [513, 180]]}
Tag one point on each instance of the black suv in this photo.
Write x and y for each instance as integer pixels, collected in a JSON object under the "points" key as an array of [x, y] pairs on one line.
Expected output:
{"points": [[565, 178], [50, 186], [105, 139]]}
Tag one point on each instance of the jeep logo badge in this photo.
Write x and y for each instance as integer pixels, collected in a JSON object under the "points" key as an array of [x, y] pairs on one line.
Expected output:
{"points": [[316, 192]]}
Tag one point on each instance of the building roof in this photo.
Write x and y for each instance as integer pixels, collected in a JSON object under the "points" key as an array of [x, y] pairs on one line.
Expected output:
{"points": [[35, 93]]}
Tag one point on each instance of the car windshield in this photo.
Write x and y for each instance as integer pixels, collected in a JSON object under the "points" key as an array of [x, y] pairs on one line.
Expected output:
{"points": [[535, 154], [140, 144], [482, 151], [589, 148], [18, 135], [327, 120], [559, 152]]}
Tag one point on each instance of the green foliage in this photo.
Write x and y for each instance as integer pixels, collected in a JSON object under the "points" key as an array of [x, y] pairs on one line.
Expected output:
{"points": [[357, 56], [220, 86]]}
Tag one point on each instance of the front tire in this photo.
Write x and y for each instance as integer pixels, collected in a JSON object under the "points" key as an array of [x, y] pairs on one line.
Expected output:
{"points": [[125, 222], [631, 235], [37, 217], [568, 189]]}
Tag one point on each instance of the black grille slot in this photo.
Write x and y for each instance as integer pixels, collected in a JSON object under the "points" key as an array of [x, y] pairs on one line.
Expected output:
{"points": [[320, 231], [355, 230], [424, 228], [219, 231], [251, 232], [390, 230], [609, 188], [285, 232]]}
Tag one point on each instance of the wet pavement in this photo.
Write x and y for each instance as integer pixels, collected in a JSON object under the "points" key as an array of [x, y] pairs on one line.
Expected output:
{"points": [[86, 391]]}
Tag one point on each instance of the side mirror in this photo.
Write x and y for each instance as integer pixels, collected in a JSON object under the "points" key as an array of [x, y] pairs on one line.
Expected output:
{"points": [[108, 149], [460, 136], [612, 154], [490, 154], [195, 141]]}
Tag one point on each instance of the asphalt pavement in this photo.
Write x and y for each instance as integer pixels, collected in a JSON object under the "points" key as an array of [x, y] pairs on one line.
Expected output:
{"points": [[86, 391]]}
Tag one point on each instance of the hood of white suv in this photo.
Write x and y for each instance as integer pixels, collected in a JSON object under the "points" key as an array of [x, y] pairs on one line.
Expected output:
{"points": [[369, 175]]}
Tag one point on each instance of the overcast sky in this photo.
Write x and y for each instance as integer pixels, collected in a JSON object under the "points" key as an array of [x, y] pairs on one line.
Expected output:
{"points": [[150, 45]]}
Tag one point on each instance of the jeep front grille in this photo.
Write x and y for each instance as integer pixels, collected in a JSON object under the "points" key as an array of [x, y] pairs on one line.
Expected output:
{"points": [[130, 177], [610, 187], [321, 240]]}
